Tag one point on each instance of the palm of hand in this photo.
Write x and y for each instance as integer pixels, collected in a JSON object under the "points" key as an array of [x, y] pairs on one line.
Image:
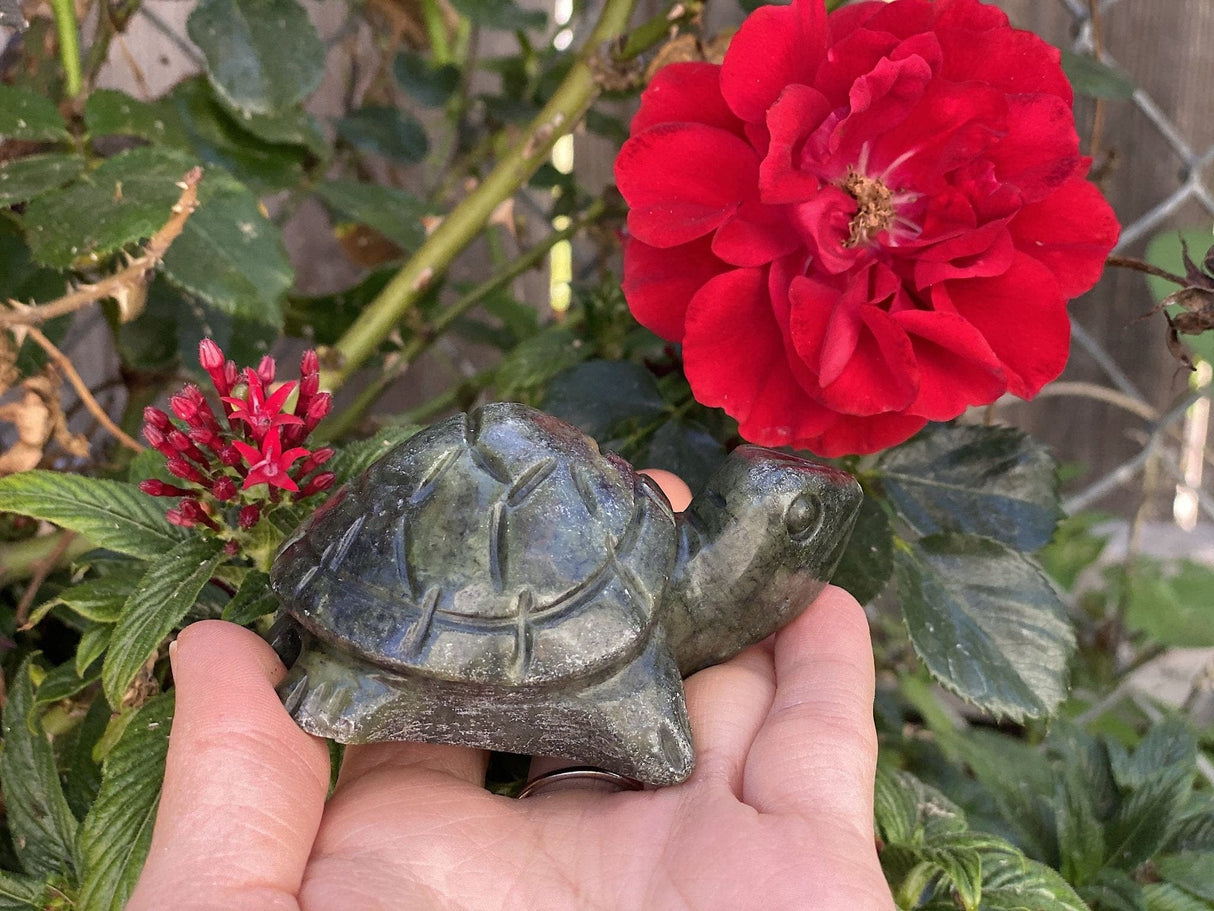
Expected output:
{"points": [[778, 813]]}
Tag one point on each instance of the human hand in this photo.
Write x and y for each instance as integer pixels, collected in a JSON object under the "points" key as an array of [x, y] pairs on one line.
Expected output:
{"points": [[777, 814]]}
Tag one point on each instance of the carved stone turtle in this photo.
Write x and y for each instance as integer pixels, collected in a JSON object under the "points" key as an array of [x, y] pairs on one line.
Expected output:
{"points": [[496, 581]]}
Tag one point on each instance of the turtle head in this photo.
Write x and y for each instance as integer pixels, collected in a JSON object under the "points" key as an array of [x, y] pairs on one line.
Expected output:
{"points": [[757, 546]]}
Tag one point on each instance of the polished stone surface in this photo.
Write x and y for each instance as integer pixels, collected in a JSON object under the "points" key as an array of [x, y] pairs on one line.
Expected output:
{"points": [[498, 582]]}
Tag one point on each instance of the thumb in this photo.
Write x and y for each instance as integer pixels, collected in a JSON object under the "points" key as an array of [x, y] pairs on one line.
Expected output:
{"points": [[244, 787]]}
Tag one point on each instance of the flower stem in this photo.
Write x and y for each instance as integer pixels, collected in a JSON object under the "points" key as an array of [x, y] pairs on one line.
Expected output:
{"points": [[23, 559], [466, 220], [69, 45]]}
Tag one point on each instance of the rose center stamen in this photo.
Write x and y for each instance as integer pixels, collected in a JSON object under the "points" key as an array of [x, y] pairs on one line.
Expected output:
{"points": [[876, 207]]}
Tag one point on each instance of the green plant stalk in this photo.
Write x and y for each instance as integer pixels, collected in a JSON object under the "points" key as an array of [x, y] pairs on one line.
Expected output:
{"points": [[562, 112], [338, 425], [69, 45], [436, 31]]}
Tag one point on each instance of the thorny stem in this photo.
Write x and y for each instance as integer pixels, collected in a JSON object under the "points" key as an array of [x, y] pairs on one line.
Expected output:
{"points": [[1138, 265], [122, 281], [69, 45], [64, 363], [562, 112]]}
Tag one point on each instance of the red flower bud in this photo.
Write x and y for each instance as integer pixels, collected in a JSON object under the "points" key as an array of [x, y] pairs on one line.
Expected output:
{"points": [[231, 548], [154, 417], [309, 363], [205, 436], [157, 488], [192, 511], [176, 518], [249, 516], [186, 447], [158, 441], [317, 409], [224, 489], [181, 468], [229, 456], [314, 461], [266, 370], [322, 481], [210, 355], [231, 374]]}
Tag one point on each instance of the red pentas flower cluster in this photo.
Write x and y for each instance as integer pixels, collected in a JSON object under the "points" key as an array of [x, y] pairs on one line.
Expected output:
{"points": [[234, 469], [864, 221]]}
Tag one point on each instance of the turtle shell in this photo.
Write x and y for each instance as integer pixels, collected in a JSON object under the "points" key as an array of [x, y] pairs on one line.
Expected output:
{"points": [[497, 547]]}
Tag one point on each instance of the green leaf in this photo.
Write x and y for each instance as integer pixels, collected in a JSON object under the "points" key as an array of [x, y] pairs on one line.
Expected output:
{"points": [[110, 514], [1080, 834], [22, 179], [531, 365], [355, 458], [1143, 824], [109, 112], [393, 213], [1193, 872], [426, 83], [230, 255], [217, 138], [1167, 897], [26, 115], [385, 131], [288, 127], [22, 893], [1169, 744], [322, 319], [501, 14], [1114, 890], [986, 622], [1013, 882], [262, 55], [83, 778], [602, 397], [125, 200], [64, 682], [163, 597], [868, 561], [42, 825], [1074, 547], [93, 643], [101, 599], [1167, 600], [909, 812], [990, 481], [115, 835], [1094, 79], [253, 600]]}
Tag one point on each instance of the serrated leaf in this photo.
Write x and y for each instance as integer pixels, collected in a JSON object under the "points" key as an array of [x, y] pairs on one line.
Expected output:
{"points": [[602, 397], [41, 823], [1114, 890], [125, 200], [64, 682], [385, 131], [164, 595], [83, 772], [22, 179], [1013, 882], [29, 116], [355, 458], [230, 255], [117, 831], [393, 213], [986, 622], [1166, 600], [22, 893], [868, 561], [501, 14], [1080, 835], [1167, 897], [1095, 79], [109, 112], [262, 55], [252, 600], [423, 81], [110, 514], [288, 127], [100, 599], [1168, 744], [1144, 822], [907, 811], [1194, 832], [990, 481], [1192, 871]]}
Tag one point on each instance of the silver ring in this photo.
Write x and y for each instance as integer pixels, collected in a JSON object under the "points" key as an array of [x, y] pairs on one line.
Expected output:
{"points": [[579, 778]]}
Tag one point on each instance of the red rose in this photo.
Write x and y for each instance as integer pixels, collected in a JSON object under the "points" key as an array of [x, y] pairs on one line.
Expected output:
{"points": [[863, 222]]}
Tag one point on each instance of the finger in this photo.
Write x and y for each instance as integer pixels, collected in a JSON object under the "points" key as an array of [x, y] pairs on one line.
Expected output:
{"points": [[675, 488], [416, 759], [817, 750], [244, 787]]}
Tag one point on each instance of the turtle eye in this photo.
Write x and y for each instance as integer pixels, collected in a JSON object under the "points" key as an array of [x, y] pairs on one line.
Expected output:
{"points": [[803, 516]]}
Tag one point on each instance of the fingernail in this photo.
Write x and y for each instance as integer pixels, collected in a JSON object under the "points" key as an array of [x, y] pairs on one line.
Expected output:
{"points": [[172, 649]]}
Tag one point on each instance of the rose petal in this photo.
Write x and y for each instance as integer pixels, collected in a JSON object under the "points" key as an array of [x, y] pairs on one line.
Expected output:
{"points": [[659, 283], [859, 435], [1041, 149], [751, 381], [776, 46], [684, 180], [1071, 232], [790, 121], [1022, 314], [981, 253], [686, 93], [756, 235], [957, 368]]}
